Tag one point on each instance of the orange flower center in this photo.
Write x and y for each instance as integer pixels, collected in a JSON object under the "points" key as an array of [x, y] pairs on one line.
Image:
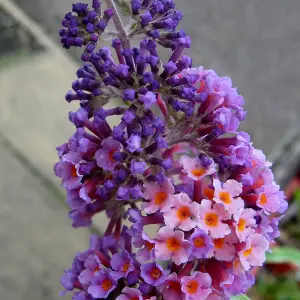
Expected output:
{"points": [[225, 197], [125, 267], [211, 219], [106, 284], [236, 263], [192, 287], [174, 285], [199, 242], [155, 273], [208, 193], [111, 155], [198, 172], [263, 199], [149, 245], [247, 252], [218, 243], [160, 197], [183, 213], [241, 225], [73, 171], [173, 244]]}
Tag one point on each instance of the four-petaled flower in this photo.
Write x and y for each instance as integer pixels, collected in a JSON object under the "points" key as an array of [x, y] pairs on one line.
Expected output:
{"points": [[183, 214], [196, 286], [159, 197], [170, 244], [253, 253], [212, 217], [228, 194], [196, 168]]}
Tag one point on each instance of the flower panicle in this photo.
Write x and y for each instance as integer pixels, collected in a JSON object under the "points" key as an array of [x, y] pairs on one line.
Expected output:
{"points": [[157, 144]]}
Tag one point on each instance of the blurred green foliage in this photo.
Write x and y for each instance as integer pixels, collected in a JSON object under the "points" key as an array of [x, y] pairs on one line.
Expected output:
{"points": [[241, 297], [270, 287], [280, 278], [284, 255]]}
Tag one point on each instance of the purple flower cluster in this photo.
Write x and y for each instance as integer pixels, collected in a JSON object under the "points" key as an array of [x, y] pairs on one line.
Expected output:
{"points": [[83, 26], [159, 20], [174, 160]]}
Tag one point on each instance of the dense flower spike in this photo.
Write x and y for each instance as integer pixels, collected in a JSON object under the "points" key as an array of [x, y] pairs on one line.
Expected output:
{"points": [[165, 153]]}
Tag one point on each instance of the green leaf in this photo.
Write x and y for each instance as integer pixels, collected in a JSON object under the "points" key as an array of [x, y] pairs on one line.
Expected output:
{"points": [[240, 297], [297, 195], [284, 255]]}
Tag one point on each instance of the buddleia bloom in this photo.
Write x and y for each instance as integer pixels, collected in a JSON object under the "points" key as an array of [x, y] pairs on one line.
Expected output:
{"points": [[165, 153]]}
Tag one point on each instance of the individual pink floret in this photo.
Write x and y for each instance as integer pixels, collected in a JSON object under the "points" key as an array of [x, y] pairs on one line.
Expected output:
{"points": [[244, 223], [194, 168], [253, 254], [171, 244], [207, 189], [271, 199], [197, 286], [105, 155], [183, 214], [223, 248], [237, 266], [258, 158], [201, 244], [171, 288], [228, 194], [212, 217], [146, 245], [159, 196]]}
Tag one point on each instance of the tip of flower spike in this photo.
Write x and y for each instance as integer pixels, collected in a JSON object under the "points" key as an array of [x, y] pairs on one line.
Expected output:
{"points": [[84, 25], [96, 5]]}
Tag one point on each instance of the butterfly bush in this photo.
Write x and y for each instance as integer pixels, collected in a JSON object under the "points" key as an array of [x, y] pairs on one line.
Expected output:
{"points": [[174, 160]]}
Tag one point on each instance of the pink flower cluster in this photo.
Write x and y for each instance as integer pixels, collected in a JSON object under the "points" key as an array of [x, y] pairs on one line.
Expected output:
{"points": [[222, 225]]}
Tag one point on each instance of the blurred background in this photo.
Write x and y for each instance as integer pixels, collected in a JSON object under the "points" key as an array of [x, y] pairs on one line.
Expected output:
{"points": [[256, 43]]}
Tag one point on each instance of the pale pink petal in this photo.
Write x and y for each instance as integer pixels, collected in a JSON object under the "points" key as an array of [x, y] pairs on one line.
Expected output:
{"points": [[257, 240], [253, 253], [171, 219], [164, 233], [233, 187], [220, 231], [238, 268], [161, 251], [221, 210], [181, 256], [226, 253], [205, 206], [257, 257]]}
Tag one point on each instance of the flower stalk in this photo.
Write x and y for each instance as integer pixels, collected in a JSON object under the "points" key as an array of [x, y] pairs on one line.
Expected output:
{"points": [[119, 24]]}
